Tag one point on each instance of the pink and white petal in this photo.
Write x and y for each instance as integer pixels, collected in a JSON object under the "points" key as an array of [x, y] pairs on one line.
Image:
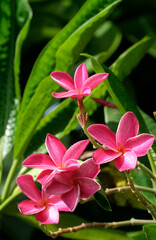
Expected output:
{"points": [[57, 188], [48, 216], [80, 76], [88, 187], [58, 203], [75, 150], [71, 165], [70, 93], [95, 80], [140, 144], [28, 187], [103, 135], [128, 127], [28, 207], [63, 79], [127, 161], [43, 176], [55, 148], [102, 156], [39, 160], [72, 198], [88, 169]]}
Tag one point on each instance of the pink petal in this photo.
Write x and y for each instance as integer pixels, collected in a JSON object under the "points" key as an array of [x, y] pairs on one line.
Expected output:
{"points": [[75, 150], [55, 148], [71, 165], [81, 76], [43, 176], [28, 207], [57, 188], [128, 127], [101, 156], [28, 187], [72, 198], [95, 80], [63, 79], [127, 161], [140, 144], [59, 204], [88, 187], [39, 160], [103, 135], [48, 216], [88, 169], [70, 93]]}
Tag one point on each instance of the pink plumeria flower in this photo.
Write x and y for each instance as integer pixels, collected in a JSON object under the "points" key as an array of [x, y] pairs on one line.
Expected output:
{"points": [[81, 85], [59, 157], [45, 207], [74, 185], [125, 146]]}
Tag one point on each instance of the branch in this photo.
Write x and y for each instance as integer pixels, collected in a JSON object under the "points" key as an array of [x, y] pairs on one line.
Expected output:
{"points": [[105, 225], [110, 191]]}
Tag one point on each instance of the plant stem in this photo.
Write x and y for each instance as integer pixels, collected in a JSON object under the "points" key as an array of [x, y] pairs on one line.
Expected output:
{"points": [[9, 179], [105, 225], [146, 170], [140, 197], [10, 199], [110, 191]]}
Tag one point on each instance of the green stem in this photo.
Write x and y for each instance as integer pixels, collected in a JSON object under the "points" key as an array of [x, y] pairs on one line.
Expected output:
{"points": [[140, 197], [10, 199], [9, 180], [147, 170], [109, 191], [153, 166]]}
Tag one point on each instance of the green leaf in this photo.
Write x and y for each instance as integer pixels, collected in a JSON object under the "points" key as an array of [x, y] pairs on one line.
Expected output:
{"points": [[150, 231], [138, 235], [12, 36], [102, 200], [75, 44], [131, 57]]}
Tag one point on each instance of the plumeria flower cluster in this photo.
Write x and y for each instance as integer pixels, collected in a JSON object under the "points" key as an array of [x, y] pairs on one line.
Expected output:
{"points": [[64, 181]]}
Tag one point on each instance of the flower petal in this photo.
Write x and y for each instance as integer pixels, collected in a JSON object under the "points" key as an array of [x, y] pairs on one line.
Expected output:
{"points": [[56, 188], [103, 135], [28, 187], [128, 127], [80, 76], [63, 79], [140, 144], [55, 148], [71, 165], [43, 176], [39, 160], [79, 95], [48, 216], [95, 80], [101, 156], [28, 207], [70, 93], [88, 169], [59, 204], [88, 187], [72, 198], [75, 150], [127, 161]]}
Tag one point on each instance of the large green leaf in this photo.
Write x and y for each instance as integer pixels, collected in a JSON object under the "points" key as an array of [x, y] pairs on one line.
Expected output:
{"points": [[74, 44], [13, 33], [47, 59], [150, 231], [131, 57]]}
